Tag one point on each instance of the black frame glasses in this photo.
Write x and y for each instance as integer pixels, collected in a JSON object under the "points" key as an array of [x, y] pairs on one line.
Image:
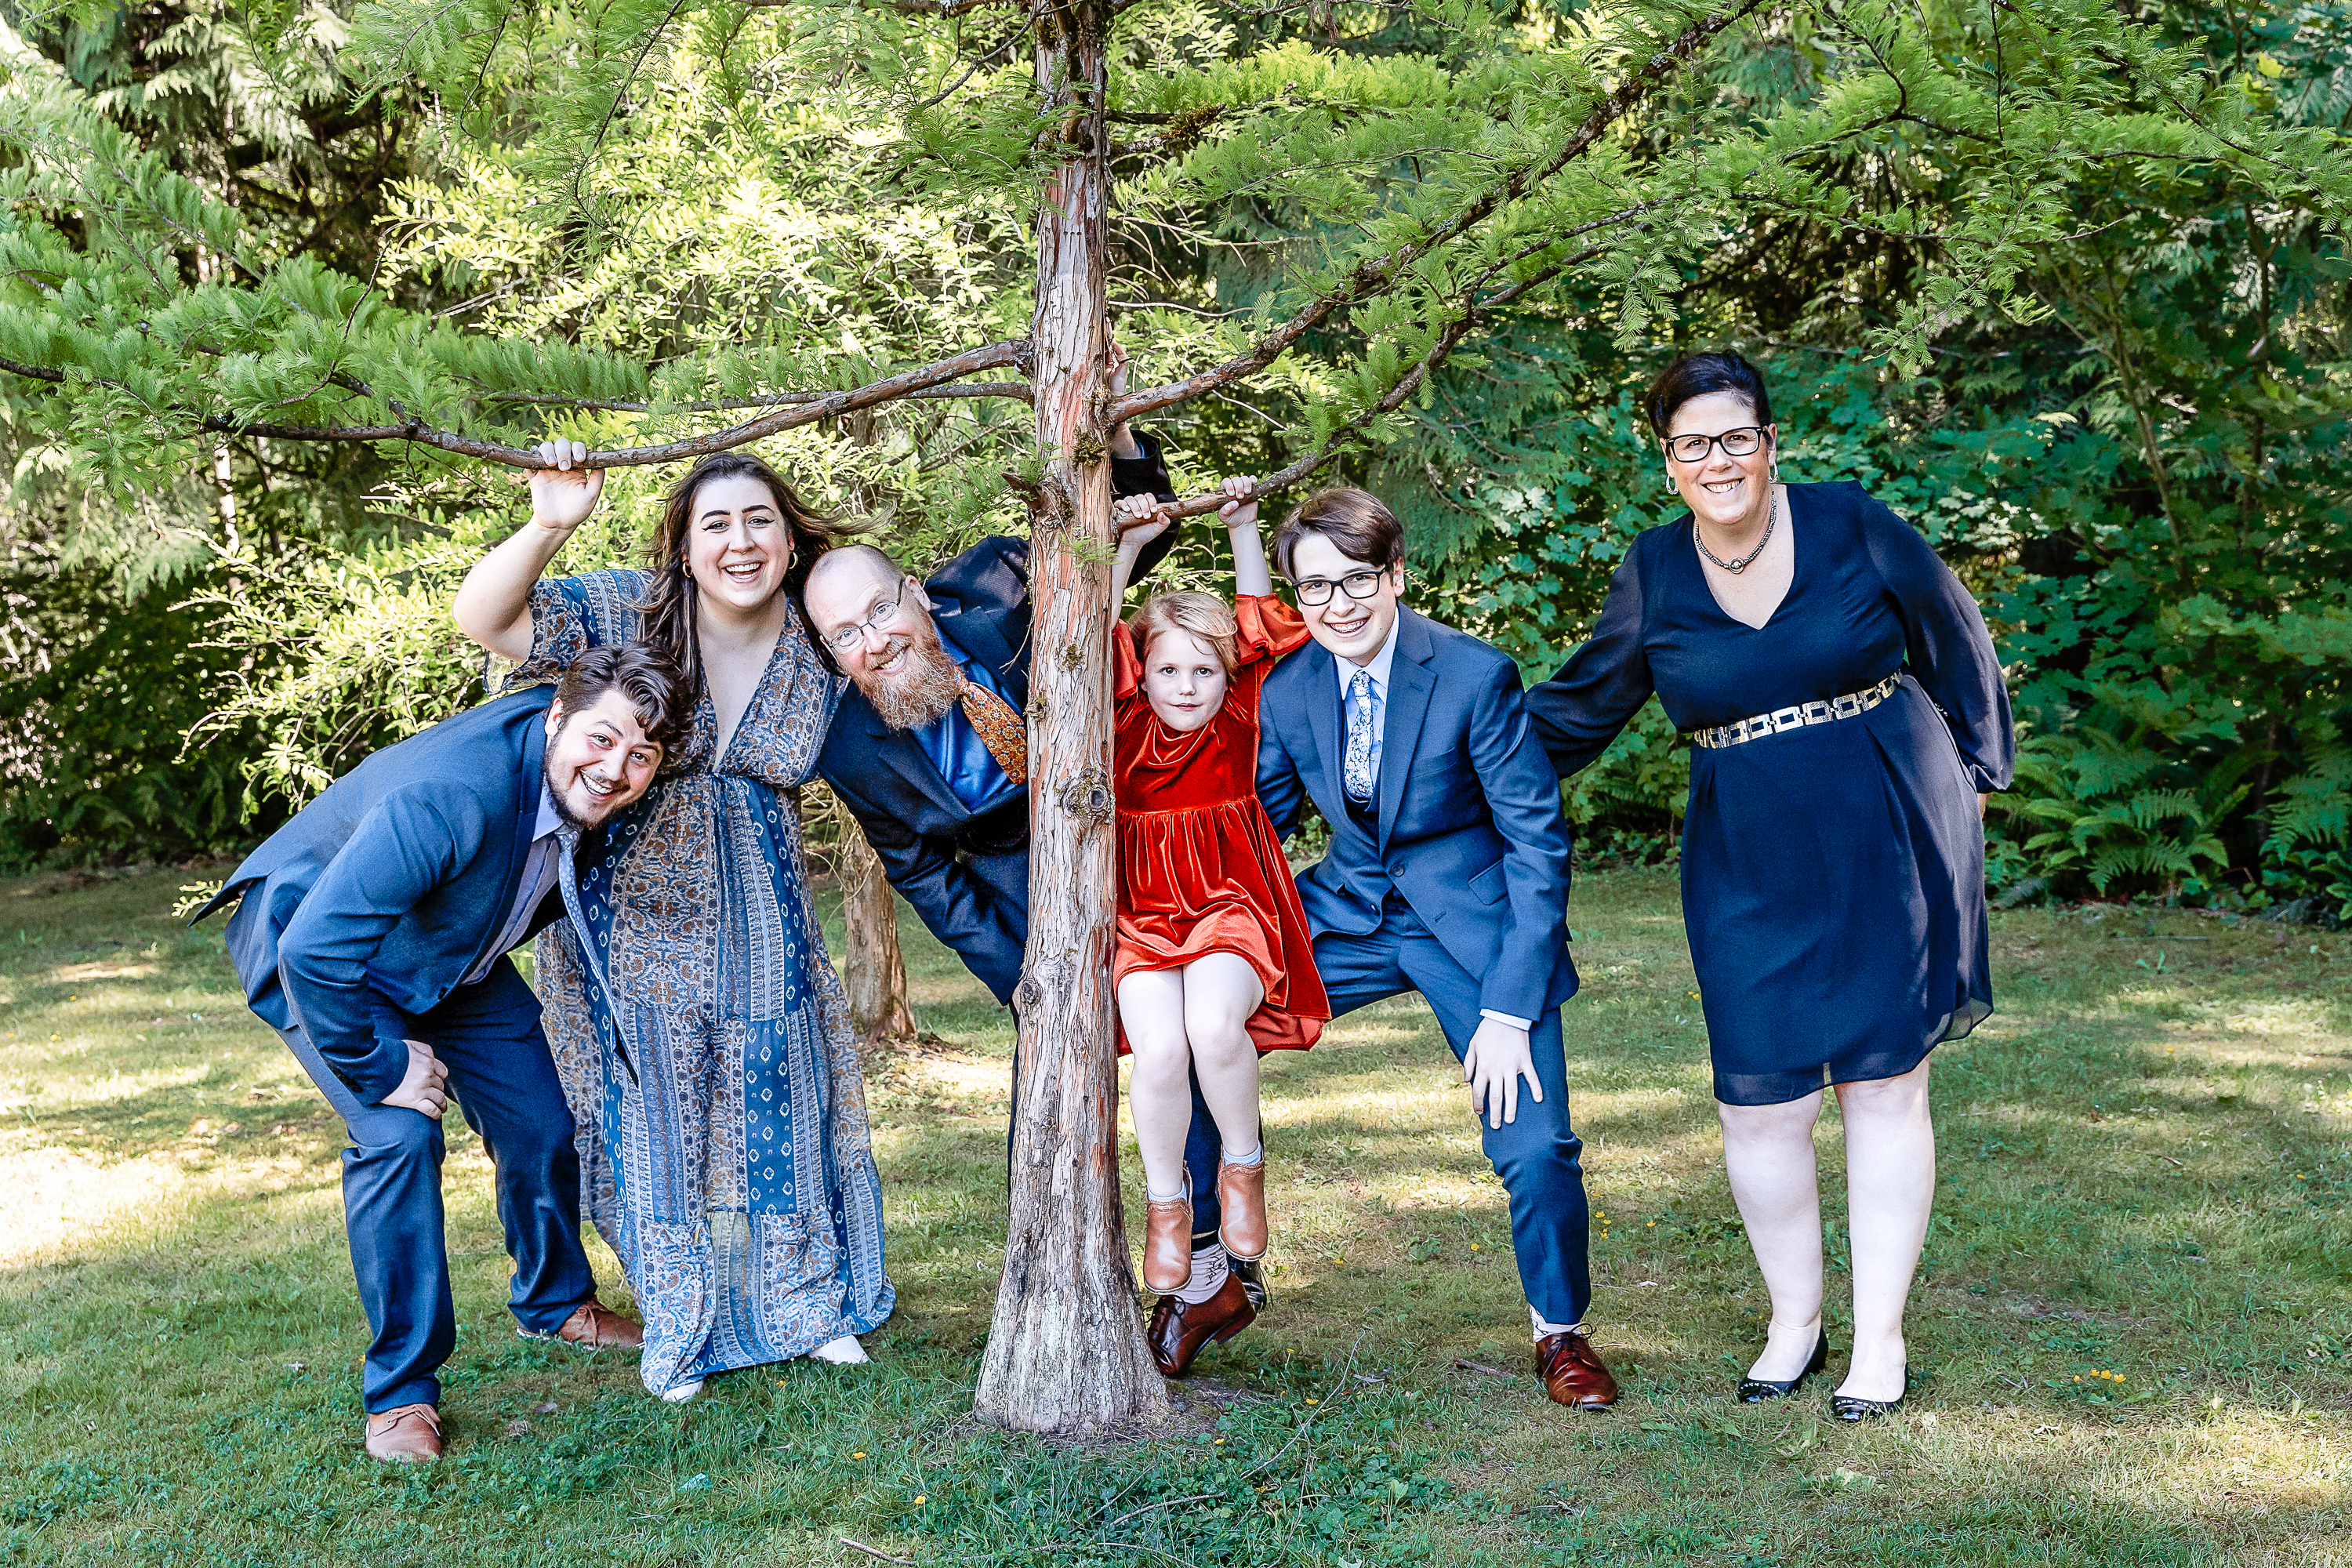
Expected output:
{"points": [[841, 639], [1318, 590], [1694, 448]]}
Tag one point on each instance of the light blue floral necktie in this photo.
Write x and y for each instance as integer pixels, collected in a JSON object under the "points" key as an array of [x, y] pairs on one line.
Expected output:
{"points": [[1355, 772]]}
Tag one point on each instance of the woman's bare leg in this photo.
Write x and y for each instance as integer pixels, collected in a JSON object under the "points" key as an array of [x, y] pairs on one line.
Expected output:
{"points": [[1159, 1086], [1221, 991], [1890, 1185], [1767, 1153]]}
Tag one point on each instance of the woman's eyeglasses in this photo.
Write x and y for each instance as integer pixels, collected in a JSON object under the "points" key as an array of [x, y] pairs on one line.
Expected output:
{"points": [[1318, 590], [1739, 443], [843, 638]]}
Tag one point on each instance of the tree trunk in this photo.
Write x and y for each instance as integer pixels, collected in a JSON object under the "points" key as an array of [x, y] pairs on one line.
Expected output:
{"points": [[1066, 1349], [873, 972]]}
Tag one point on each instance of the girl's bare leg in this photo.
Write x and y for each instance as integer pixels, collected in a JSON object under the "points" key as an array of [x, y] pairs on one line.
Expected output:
{"points": [[1221, 991], [1159, 1091]]}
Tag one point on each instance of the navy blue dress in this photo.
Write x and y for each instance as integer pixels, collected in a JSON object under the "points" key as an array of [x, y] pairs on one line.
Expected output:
{"points": [[1832, 875]]}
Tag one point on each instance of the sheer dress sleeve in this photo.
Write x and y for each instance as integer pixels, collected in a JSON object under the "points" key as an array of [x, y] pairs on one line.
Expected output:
{"points": [[1603, 684], [1947, 646], [569, 615]]}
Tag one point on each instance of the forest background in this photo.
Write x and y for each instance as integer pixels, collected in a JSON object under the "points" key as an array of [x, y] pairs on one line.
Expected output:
{"points": [[2136, 460]]}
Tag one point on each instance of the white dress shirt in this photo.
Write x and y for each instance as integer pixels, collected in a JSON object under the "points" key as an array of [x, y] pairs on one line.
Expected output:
{"points": [[538, 876], [1378, 668]]}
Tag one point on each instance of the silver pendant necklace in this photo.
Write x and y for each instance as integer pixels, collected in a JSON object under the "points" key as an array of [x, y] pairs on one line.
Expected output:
{"points": [[1742, 562]]}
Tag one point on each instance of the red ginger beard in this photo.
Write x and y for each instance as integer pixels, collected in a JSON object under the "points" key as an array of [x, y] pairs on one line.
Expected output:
{"points": [[923, 690]]}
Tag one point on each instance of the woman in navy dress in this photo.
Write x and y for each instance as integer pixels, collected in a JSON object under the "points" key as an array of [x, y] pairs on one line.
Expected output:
{"points": [[1847, 718]]}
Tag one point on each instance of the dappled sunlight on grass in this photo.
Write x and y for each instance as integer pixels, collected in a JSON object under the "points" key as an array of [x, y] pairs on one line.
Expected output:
{"points": [[2132, 1338]]}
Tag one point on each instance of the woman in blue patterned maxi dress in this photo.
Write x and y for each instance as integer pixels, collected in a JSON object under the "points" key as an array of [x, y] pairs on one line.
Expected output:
{"points": [[700, 1031]]}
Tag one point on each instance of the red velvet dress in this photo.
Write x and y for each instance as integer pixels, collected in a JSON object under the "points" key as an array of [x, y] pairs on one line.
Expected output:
{"points": [[1201, 868]]}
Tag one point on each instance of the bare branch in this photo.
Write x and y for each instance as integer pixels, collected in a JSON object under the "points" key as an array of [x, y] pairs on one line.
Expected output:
{"points": [[1381, 273], [905, 385], [1449, 338], [1017, 390]]}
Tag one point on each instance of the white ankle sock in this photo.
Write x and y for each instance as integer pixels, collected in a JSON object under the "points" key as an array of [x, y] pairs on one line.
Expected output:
{"points": [[1545, 1327], [1209, 1270], [1254, 1156], [1153, 1194]]}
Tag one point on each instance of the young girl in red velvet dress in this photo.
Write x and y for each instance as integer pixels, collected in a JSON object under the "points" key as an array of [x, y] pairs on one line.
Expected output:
{"points": [[1215, 962]]}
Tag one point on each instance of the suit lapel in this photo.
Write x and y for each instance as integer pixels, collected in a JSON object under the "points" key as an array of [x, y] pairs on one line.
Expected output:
{"points": [[1409, 685], [906, 755], [981, 637], [526, 828], [1323, 717]]}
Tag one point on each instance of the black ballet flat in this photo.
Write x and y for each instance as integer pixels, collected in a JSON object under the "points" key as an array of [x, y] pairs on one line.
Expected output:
{"points": [[1850, 1410], [1757, 1390]]}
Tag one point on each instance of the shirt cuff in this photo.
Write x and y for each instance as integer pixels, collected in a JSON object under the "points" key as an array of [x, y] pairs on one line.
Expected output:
{"points": [[1523, 1024]]}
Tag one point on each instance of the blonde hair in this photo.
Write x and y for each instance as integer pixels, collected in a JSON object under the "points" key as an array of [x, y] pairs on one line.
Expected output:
{"points": [[1202, 615]]}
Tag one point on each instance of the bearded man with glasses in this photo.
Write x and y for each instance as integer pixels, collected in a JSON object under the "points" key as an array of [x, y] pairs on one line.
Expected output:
{"points": [[928, 750]]}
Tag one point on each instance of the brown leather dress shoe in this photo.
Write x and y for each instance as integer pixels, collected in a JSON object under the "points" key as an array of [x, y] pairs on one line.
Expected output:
{"points": [[404, 1434], [1167, 1243], [1241, 1207], [1570, 1370], [596, 1327], [1178, 1332]]}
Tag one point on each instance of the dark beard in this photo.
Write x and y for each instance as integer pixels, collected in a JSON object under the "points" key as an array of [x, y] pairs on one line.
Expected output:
{"points": [[555, 795], [922, 693]]}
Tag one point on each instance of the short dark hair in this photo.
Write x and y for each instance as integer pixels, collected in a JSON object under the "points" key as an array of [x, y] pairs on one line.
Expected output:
{"points": [[1696, 375], [1355, 521], [642, 673]]}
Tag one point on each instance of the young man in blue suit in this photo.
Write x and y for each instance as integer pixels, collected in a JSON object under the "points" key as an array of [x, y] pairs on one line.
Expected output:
{"points": [[1447, 874], [372, 935]]}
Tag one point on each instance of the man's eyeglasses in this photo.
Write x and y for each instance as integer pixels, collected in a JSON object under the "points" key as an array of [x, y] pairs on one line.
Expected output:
{"points": [[1739, 443], [841, 640], [1318, 590]]}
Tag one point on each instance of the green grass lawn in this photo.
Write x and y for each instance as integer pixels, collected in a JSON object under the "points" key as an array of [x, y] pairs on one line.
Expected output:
{"points": [[2133, 1333]]}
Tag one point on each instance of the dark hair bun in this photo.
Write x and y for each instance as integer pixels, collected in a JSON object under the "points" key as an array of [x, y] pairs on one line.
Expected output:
{"points": [[1696, 375]]}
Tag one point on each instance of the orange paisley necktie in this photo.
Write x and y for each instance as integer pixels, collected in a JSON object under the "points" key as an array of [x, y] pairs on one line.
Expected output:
{"points": [[1000, 728]]}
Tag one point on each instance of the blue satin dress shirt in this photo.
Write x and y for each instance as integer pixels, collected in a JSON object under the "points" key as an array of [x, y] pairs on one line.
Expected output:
{"points": [[956, 749]]}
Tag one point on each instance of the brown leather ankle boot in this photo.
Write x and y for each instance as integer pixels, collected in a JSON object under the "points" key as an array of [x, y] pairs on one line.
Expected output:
{"points": [[1167, 1242], [1241, 1207]]}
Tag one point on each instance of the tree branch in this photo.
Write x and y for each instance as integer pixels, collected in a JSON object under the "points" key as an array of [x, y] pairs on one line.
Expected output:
{"points": [[1018, 390], [1449, 338], [1379, 273], [907, 384]]}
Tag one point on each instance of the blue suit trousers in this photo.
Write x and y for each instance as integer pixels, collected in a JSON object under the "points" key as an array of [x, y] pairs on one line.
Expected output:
{"points": [[504, 1081], [1535, 1155]]}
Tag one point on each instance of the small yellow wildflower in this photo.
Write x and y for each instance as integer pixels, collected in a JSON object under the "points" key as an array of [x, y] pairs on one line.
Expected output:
{"points": [[920, 1501], [859, 1455]]}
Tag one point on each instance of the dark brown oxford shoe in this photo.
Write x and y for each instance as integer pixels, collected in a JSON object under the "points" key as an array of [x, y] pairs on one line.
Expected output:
{"points": [[1178, 1332], [1570, 1370]]}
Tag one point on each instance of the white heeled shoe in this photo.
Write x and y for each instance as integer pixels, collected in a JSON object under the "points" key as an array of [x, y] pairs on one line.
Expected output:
{"points": [[843, 1351]]}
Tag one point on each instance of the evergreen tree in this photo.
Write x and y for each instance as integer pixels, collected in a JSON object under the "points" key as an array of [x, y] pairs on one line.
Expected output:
{"points": [[1307, 210]]}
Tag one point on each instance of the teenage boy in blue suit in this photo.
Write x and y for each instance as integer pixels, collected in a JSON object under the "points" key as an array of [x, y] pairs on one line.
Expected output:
{"points": [[1447, 874], [372, 935]]}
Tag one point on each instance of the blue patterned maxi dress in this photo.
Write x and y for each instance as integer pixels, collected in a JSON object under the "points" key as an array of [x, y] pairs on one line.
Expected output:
{"points": [[701, 1032]]}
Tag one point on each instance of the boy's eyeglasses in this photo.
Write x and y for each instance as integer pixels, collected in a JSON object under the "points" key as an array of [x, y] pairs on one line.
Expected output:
{"points": [[1739, 443], [1318, 590]]}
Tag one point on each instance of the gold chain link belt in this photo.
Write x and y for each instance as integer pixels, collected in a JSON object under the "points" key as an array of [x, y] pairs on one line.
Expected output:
{"points": [[1740, 731]]}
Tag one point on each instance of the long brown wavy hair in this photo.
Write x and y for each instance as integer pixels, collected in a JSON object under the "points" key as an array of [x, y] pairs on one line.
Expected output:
{"points": [[668, 606]]}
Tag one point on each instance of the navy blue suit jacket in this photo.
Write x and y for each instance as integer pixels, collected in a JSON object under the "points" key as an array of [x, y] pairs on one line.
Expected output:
{"points": [[391, 886], [966, 876], [1469, 832]]}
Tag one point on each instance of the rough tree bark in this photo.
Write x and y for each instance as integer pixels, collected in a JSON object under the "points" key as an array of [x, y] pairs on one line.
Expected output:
{"points": [[1065, 1348]]}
